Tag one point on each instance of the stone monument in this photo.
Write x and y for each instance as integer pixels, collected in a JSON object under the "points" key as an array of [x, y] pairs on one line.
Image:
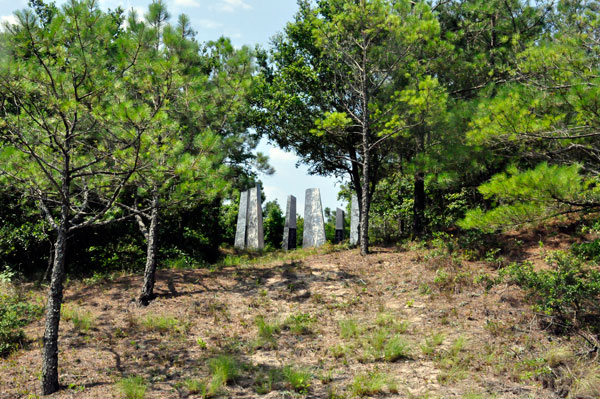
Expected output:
{"points": [[254, 229], [242, 221], [249, 230], [314, 223], [289, 230], [354, 220], [339, 225]]}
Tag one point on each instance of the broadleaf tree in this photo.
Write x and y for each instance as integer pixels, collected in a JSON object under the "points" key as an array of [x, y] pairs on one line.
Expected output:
{"points": [[334, 86]]}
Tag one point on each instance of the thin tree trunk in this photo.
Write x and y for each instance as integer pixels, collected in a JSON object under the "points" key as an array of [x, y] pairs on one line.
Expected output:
{"points": [[147, 293], [419, 205], [366, 152], [364, 213], [55, 296], [48, 273]]}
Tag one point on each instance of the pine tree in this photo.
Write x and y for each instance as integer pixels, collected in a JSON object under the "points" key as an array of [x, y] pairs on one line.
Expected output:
{"points": [[70, 128]]}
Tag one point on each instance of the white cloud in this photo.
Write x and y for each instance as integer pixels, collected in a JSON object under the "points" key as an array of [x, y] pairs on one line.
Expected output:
{"points": [[209, 24], [275, 193], [187, 3], [139, 14], [278, 155], [8, 19], [233, 5]]}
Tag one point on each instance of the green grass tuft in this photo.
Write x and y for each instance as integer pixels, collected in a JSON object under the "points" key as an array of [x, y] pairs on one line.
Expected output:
{"points": [[370, 384], [349, 328], [266, 332], [298, 379], [195, 386], [396, 348], [160, 323], [82, 320], [300, 324], [133, 387], [224, 370]]}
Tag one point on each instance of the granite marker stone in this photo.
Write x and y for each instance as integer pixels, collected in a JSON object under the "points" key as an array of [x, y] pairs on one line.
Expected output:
{"points": [[339, 225], [314, 223], [289, 230], [354, 220], [242, 222], [255, 235]]}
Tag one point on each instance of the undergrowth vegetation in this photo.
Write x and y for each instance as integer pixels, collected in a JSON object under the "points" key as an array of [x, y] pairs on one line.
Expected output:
{"points": [[568, 291], [16, 311]]}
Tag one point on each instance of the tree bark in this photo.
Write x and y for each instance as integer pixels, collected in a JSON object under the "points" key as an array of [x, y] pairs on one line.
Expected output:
{"points": [[48, 273], [147, 293], [55, 295], [366, 153], [364, 209], [419, 205]]}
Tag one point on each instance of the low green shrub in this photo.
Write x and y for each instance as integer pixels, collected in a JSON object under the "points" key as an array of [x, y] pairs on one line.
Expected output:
{"points": [[588, 250], [569, 290], [15, 313]]}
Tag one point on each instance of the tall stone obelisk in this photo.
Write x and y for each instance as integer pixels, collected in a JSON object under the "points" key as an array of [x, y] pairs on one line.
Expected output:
{"points": [[289, 230], [314, 222], [339, 225], [255, 235], [354, 220], [242, 222]]}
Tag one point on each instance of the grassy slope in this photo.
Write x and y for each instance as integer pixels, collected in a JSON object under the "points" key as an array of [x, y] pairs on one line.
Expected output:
{"points": [[409, 323]]}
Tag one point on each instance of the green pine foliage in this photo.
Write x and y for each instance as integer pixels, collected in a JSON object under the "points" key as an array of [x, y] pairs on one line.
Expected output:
{"points": [[532, 196]]}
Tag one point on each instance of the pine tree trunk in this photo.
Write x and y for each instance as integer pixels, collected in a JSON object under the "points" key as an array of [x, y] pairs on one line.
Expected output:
{"points": [[364, 210], [419, 205], [366, 152], [55, 296], [147, 293]]}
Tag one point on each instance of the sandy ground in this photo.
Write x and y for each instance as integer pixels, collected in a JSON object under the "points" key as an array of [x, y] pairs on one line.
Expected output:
{"points": [[499, 336]]}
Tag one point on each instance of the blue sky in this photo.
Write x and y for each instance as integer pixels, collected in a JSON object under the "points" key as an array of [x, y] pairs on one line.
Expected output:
{"points": [[246, 22]]}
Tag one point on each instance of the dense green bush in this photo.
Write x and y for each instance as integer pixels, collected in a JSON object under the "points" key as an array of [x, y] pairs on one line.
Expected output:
{"points": [[274, 222], [569, 290], [588, 250], [228, 221], [15, 313], [195, 232], [192, 234], [24, 247], [299, 231]]}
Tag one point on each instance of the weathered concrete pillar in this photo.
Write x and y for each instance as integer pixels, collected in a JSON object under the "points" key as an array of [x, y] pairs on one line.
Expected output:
{"points": [[314, 222], [339, 225], [242, 222], [289, 230], [354, 220], [255, 236]]}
